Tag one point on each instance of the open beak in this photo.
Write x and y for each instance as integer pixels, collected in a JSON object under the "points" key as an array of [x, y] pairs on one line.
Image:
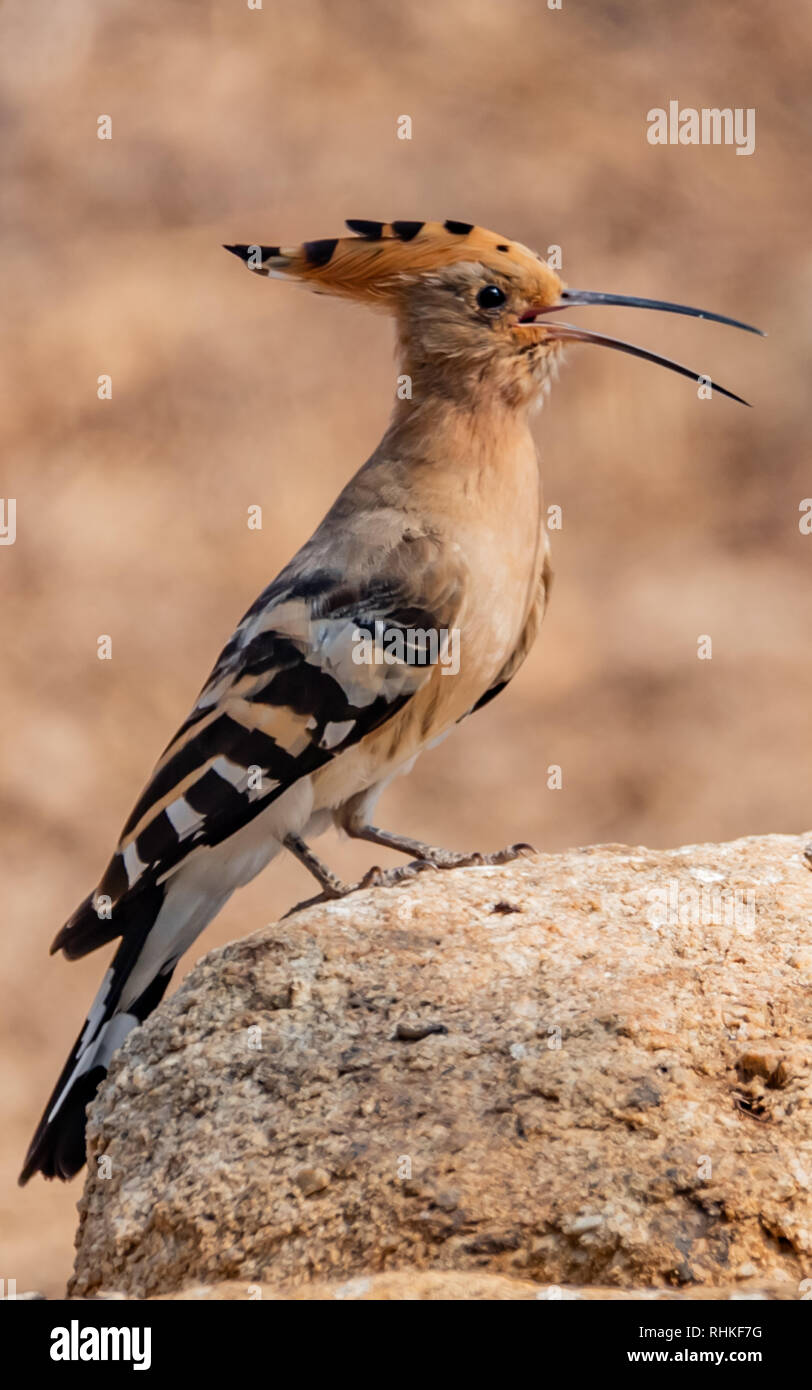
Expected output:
{"points": [[569, 333]]}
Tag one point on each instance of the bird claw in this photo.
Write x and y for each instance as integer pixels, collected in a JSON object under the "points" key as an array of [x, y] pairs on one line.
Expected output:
{"points": [[442, 859], [500, 856], [505, 856], [376, 877], [390, 878]]}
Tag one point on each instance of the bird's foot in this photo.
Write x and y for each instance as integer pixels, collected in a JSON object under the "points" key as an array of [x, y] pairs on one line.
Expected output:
{"points": [[447, 859], [390, 878], [440, 859], [373, 878], [333, 888], [420, 852]]}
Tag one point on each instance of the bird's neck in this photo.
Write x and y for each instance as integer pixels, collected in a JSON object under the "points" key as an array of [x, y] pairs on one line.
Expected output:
{"points": [[477, 384], [456, 436]]}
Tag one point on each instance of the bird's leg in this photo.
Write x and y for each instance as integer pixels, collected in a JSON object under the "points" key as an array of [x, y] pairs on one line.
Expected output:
{"points": [[332, 886], [414, 848], [440, 858], [423, 857]]}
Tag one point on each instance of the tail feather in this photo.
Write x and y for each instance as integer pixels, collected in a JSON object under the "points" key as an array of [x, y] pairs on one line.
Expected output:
{"points": [[57, 1149], [157, 922]]}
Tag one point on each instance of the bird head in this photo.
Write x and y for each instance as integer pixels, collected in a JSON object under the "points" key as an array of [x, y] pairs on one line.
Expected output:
{"points": [[471, 306]]}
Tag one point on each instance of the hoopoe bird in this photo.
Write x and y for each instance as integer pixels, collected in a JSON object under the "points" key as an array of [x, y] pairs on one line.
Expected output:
{"points": [[441, 532]]}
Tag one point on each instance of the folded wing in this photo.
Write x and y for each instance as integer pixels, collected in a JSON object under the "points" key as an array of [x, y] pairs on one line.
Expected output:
{"points": [[292, 690]]}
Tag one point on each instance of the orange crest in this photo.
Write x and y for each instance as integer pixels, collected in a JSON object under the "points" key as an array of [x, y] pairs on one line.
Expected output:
{"points": [[373, 265]]}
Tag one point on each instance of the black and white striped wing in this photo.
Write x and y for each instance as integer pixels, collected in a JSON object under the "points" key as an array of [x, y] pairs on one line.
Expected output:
{"points": [[290, 692]]}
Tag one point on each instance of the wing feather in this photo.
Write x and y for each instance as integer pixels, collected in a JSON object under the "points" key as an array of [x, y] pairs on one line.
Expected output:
{"points": [[287, 695]]}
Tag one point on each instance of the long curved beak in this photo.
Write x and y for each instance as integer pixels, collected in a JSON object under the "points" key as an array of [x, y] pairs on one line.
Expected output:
{"points": [[568, 332], [571, 297]]}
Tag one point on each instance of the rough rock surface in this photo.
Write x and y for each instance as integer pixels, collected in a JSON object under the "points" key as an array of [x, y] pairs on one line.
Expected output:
{"points": [[448, 1286], [582, 1069]]}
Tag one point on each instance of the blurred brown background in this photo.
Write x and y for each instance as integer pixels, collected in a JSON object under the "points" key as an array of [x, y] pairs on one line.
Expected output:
{"points": [[680, 517]]}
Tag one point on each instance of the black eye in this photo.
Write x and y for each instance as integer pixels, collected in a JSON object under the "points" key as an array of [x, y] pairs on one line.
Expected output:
{"points": [[491, 297]]}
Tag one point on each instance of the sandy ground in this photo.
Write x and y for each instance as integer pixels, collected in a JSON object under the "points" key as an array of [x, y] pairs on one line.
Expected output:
{"points": [[680, 517]]}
